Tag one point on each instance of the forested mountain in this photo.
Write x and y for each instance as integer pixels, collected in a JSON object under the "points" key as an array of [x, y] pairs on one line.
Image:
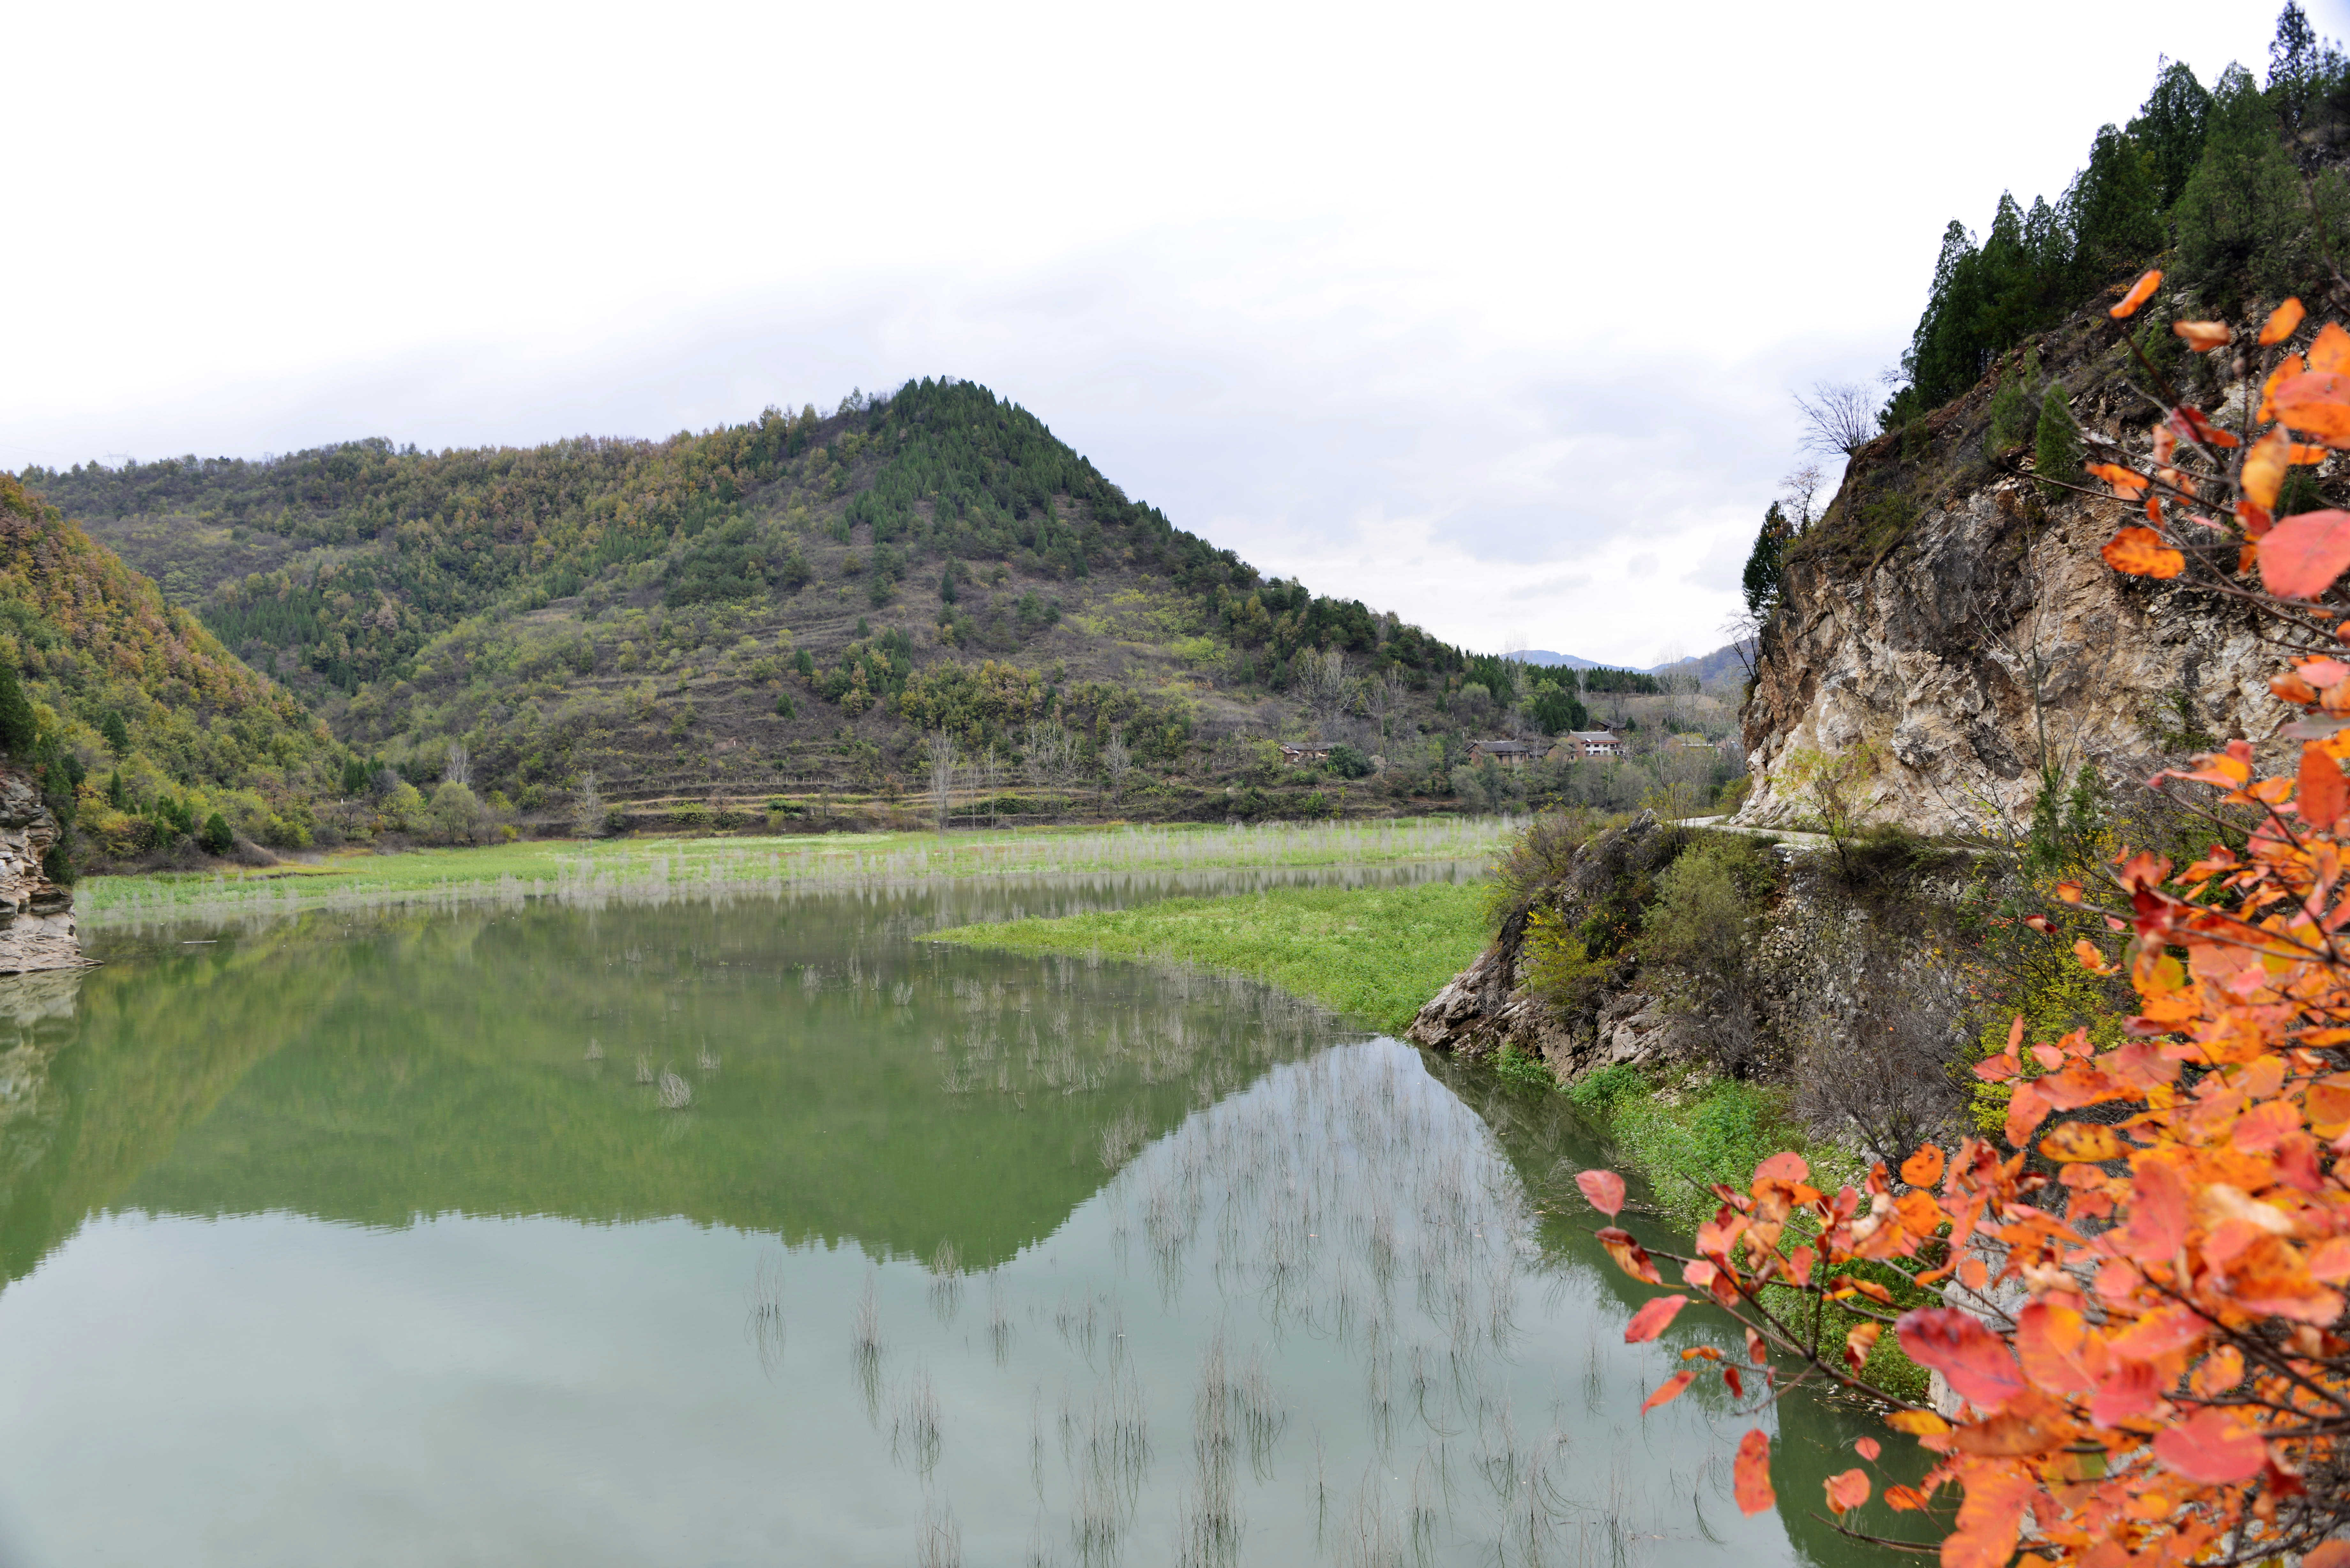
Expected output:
{"points": [[790, 607], [133, 698]]}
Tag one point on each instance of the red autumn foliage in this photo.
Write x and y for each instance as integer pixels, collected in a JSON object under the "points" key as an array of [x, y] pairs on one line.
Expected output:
{"points": [[2141, 1351]]}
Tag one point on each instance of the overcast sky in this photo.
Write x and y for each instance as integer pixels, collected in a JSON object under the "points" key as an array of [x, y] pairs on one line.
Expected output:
{"points": [[1487, 315]]}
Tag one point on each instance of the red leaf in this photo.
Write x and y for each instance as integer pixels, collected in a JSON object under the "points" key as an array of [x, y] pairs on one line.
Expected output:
{"points": [[1668, 1391], [2323, 791], [1848, 1491], [1962, 1349], [2316, 402], [1783, 1167], [2140, 553], [2327, 1554], [1630, 1256], [2158, 1208], [1868, 1448], [1737, 1383], [1751, 1476], [1603, 1189], [1989, 1517], [2211, 1447], [1651, 1319], [2303, 555]]}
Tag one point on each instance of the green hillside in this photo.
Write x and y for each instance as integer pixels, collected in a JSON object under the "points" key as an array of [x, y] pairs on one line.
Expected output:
{"points": [[139, 705], [790, 608]]}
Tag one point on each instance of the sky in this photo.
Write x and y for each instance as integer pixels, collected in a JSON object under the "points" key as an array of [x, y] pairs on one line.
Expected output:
{"points": [[1490, 316]]}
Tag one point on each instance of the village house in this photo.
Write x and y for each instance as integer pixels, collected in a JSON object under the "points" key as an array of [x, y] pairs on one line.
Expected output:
{"points": [[1508, 753], [1304, 753], [1593, 743]]}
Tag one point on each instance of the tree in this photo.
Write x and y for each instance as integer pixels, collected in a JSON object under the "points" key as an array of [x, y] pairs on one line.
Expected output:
{"points": [[1045, 753], [216, 837], [587, 811], [2114, 211], [2297, 65], [1116, 761], [1838, 417], [2240, 216], [2056, 440], [2168, 129], [115, 733], [17, 729], [1761, 578]]}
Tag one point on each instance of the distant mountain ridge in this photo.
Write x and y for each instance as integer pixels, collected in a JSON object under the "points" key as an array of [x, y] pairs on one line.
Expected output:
{"points": [[1711, 665]]}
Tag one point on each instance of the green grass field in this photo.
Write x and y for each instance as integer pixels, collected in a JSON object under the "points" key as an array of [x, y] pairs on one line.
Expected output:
{"points": [[633, 866], [1377, 953]]}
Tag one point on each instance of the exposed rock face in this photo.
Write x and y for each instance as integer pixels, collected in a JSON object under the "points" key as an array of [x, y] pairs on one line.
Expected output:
{"points": [[1995, 624], [36, 922], [1948, 622]]}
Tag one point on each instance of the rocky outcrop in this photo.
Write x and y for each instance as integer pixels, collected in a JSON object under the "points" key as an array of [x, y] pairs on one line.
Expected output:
{"points": [[36, 921], [1949, 623]]}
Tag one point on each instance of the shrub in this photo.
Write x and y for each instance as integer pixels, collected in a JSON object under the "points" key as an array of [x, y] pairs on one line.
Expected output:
{"points": [[1348, 762], [216, 838]]}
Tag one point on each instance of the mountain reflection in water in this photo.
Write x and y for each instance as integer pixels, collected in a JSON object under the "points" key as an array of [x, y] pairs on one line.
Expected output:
{"points": [[362, 1239]]}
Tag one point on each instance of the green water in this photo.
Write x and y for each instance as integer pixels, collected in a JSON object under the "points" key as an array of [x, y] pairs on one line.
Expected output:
{"points": [[361, 1240]]}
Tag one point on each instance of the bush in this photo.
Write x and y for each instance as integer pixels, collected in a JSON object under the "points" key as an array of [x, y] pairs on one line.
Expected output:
{"points": [[1348, 763], [216, 838]]}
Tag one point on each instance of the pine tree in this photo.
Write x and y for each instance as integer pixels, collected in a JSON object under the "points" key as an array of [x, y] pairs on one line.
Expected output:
{"points": [[2056, 452], [2113, 211], [2239, 215], [2169, 130], [1762, 575], [116, 733], [216, 838], [16, 726]]}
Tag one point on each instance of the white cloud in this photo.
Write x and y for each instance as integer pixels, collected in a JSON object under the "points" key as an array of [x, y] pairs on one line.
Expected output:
{"points": [[1443, 311]]}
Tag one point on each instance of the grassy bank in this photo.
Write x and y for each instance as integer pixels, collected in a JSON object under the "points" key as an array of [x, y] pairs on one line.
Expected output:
{"points": [[1375, 953], [636, 866]]}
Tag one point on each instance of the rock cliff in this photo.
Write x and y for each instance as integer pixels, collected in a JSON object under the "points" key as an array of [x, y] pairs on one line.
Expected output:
{"points": [[36, 921], [1948, 623]]}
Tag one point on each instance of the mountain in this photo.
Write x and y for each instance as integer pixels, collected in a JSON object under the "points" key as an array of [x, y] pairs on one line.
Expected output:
{"points": [[785, 606], [140, 704], [1549, 661]]}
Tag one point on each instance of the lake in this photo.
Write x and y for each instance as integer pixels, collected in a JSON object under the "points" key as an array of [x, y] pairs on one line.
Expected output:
{"points": [[754, 1230]]}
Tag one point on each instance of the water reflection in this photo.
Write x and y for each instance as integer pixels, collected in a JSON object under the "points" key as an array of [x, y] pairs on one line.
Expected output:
{"points": [[366, 1241]]}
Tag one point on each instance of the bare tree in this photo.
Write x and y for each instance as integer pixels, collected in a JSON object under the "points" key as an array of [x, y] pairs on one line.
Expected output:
{"points": [[588, 812], [1116, 762], [1045, 753], [1383, 696], [1797, 491], [942, 775], [1322, 683], [1838, 417], [991, 775], [459, 767]]}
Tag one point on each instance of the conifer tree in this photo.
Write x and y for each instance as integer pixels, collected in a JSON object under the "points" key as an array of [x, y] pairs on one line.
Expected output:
{"points": [[1761, 578], [2169, 130], [2239, 214], [116, 733], [2056, 453]]}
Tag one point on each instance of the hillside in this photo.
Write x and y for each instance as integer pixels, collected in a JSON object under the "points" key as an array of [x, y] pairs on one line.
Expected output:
{"points": [[787, 608], [1946, 639], [140, 704]]}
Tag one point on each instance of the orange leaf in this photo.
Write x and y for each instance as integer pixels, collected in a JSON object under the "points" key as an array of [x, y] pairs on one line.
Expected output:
{"points": [[1668, 1391], [2127, 484], [2303, 555], [2203, 335], [2323, 791], [2157, 1222], [2212, 1448], [2302, 455], [2264, 468], [2140, 553], [2327, 1554], [2318, 402], [1630, 1256], [1924, 1168], [2286, 369], [1917, 1423], [2050, 1341], [1989, 1516], [2140, 292], [1859, 1343], [1603, 1189], [1848, 1491], [1651, 1319], [2331, 349], [2283, 323], [2075, 1141], [1751, 1475], [1964, 1350], [1906, 1498], [1868, 1448]]}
